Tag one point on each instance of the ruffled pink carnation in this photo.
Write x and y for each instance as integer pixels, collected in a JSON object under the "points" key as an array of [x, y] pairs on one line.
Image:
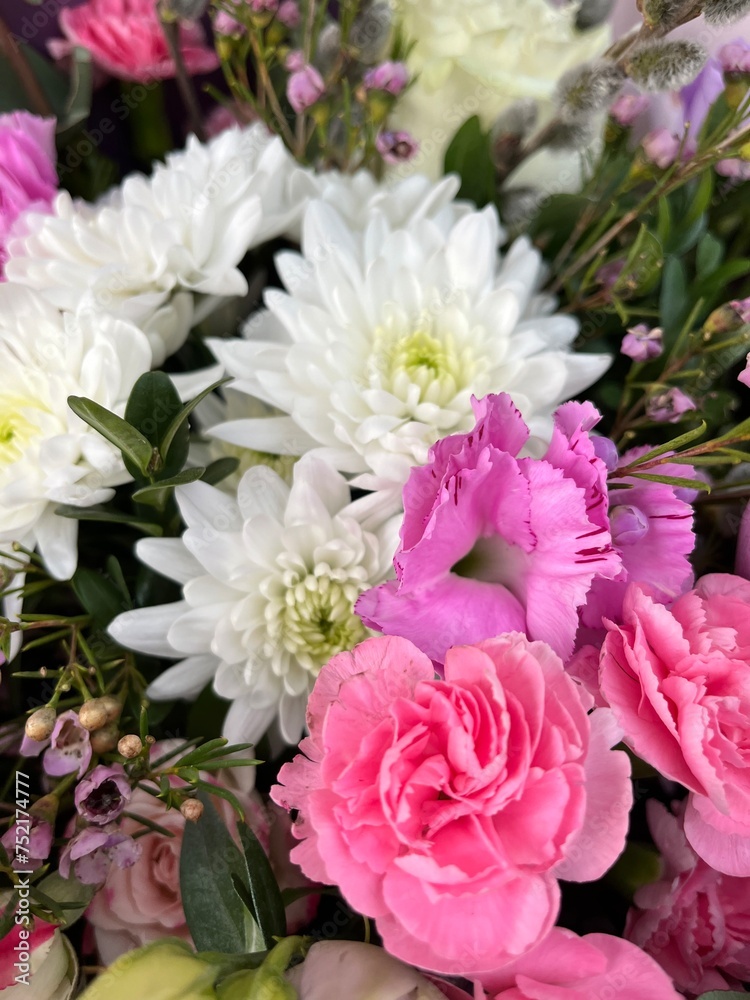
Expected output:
{"points": [[492, 543], [448, 809], [693, 920], [125, 38], [28, 180], [567, 967], [678, 680]]}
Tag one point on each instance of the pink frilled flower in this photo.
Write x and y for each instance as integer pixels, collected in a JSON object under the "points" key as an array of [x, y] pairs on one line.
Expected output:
{"points": [[142, 902], [642, 343], [69, 748], [91, 853], [694, 921], [448, 809], [396, 147], [678, 680], [304, 88], [389, 76], [28, 181], [125, 38], [103, 794], [567, 967], [491, 543], [628, 107], [28, 848]]}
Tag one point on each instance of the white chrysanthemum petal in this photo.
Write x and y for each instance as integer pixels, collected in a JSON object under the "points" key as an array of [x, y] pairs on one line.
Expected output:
{"points": [[185, 679], [168, 557], [272, 591], [390, 339]]}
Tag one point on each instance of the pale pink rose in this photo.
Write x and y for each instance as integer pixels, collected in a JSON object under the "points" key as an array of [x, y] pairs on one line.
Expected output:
{"points": [[678, 680], [125, 38], [693, 920], [567, 967], [448, 809], [142, 903], [28, 181]]}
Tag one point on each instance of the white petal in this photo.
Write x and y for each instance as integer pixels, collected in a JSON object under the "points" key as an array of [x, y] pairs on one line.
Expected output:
{"points": [[184, 680], [145, 629]]}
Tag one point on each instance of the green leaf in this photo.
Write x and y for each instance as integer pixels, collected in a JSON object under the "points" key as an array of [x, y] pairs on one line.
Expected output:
{"points": [[179, 421], [152, 406], [73, 896], [219, 470], [672, 445], [136, 449], [97, 513], [100, 597], [468, 155], [208, 859], [643, 265], [147, 493], [723, 995], [674, 300], [268, 906], [709, 255], [697, 484]]}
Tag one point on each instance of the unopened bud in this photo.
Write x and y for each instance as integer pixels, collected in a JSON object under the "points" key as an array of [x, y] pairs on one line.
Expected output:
{"points": [[725, 11], [104, 740], [592, 13], [666, 65], [93, 714], [519, 204], [328, 49], [586, 89], [561, 136], [371, 32], [130, 746], [112, 706], [727, 318], [664, 14], [517, 119], [39, 726], [191, 809]]}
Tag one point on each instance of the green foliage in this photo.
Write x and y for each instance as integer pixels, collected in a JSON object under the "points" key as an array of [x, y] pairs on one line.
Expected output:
{"points": [[469, 156]]}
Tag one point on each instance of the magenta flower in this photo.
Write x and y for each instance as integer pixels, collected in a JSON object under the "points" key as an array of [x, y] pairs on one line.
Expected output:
{"points": [[70, 747], [628, 107], [491, 543], [225, 24], [389, 76], [642, 343], [91, 853], [668, 407], [103, 794], [28, 847], [304, 88], [744, 375], [396, 147], [28, 181]]}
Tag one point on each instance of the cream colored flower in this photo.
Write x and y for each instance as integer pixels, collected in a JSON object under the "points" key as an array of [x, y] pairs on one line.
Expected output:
{"points": [[476, 57]]}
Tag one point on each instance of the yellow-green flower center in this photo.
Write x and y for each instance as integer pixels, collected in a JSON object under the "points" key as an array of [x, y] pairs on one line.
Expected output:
{"points": [[16, 430], [423, 366]]}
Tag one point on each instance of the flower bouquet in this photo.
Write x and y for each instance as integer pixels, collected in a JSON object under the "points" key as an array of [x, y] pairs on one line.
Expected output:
{"points": [[374, 468]]}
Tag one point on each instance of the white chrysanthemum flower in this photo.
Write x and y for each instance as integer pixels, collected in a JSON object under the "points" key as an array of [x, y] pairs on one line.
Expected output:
{"points": [[269, 584], [383, 337], [477, 57], [184, 229], [48, 455]]}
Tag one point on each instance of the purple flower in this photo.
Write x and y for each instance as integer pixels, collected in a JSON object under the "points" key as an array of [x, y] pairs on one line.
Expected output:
{"points": [[103, 794], [304, 88], [642, 343], [225, 24], [28, 846], [606, 450], [389, 76], [492, 543], [92, 851], [698, 96], [667, 407], [661, 147], [628, 107], [734, 57], [608, 275], [70, 747], [28, 180], [288, 13], [396, 147]]}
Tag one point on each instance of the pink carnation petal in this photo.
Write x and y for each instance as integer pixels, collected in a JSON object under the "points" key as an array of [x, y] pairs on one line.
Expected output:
{"points": [[722, 842]]}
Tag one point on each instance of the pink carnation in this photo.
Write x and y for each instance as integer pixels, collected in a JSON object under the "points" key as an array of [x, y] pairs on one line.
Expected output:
{"points": [[491, 543], [678, 680], [126, 39], [447, 810], [567, 967], [28, 181], [693, 920]]}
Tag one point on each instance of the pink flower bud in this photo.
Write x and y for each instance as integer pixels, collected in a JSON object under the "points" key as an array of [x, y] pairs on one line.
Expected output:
{"points": [[305, 88], [628, 107], [103, 794], [737, 169], [667, 407], [288, 13], [225, 24], [295, 61], [389, 76], [661, 147], [396, 147], [628, 525], [735, 56], [642, 343]]}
